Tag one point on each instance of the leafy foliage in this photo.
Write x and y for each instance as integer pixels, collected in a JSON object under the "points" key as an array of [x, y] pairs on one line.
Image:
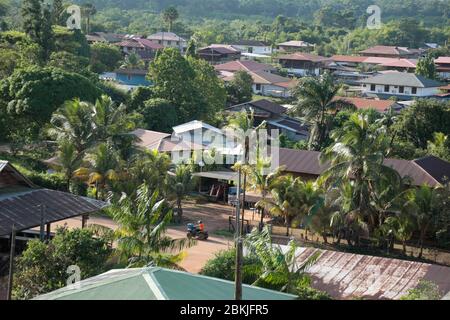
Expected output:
{"points": [[42, 267]]}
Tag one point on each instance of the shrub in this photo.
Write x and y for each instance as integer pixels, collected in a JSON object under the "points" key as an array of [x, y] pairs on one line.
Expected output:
{"points": [[223, 266], [425, 290], [43, 266]]}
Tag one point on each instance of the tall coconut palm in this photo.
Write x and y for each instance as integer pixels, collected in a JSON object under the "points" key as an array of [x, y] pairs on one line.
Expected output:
{"points": [[69, 160], [357, 155], [102, 169], [260, 180], [402, 226], [142, 222], [426, 204], [280, 270], [242, 123], [317, 103], [73, 123], [285, 200], [180, 183], [88, 10], [170, 15]]}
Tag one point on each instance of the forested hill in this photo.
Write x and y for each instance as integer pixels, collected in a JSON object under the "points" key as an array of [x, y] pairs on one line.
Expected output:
{"points": [[431, 10]]}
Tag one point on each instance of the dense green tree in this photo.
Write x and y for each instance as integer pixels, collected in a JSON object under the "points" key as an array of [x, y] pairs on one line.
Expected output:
{"points": [[104, 57], [43, 267], [132, 61], [68, 62], [159, 115], [37, 24], [191, 50], [174, 80], [209, 86], [426, 67], [35, 93], [239, 89], [418, 123]]}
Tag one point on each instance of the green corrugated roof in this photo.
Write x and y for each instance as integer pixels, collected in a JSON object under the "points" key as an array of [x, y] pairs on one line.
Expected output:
{"points": [[158, 283]]}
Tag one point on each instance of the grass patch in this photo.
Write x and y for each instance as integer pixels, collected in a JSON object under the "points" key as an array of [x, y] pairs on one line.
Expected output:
{"points": [[223, 233]]}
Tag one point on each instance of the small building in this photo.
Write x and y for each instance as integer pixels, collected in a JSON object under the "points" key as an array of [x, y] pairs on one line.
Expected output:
{"points": [[403, 65], [391, 52], [302, 64], [267, 84], [404, 86], [275, 116], [253, 46], [108, 37], [168, 40], [24, 205], [154, 283], [295, 46], [379, 105], [443, 67], [216, 54], [246, 65]]}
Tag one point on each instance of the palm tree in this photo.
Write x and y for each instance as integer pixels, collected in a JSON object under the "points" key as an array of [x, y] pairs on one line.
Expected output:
{"points": [[261, 180], [317, 103], [280, 270], [180, 183], [170, 15], [88, 10], [73, 123], [132, 61], [69, 160], [402, 226], [143, 219], [425, 203], [102, 169], [285, 199], [242, 123], [357, 155]]}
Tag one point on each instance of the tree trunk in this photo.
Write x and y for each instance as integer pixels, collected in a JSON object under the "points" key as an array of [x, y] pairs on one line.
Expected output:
{"points": [[243, 203], [325, 239], [261, 223], [404, 247]]}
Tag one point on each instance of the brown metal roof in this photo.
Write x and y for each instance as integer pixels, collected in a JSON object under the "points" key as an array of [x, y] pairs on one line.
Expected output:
{"points": [[429, 170], [20, 202], [347, 275], [22, 208]]}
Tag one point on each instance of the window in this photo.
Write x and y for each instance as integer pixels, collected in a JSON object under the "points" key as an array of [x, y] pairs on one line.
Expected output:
{"points": [[386, 88], [169, 42], [258, 87], [372, 87], [401, 89], [414, 90]]}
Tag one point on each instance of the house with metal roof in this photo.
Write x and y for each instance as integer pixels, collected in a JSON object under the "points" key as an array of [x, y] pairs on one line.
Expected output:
{"points": [[295, 46], [25, 205], [302, 64], [347, 275], [390, 52], [402, 85], [168, 40], [275, 117], [443, 67], [253, 46], [216, 54], [154, 283]]}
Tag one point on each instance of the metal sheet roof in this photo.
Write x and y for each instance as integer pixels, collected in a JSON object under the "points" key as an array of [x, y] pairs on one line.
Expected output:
{"points": [[347, 275], [219, 175], [158, 284], [23, 210]]}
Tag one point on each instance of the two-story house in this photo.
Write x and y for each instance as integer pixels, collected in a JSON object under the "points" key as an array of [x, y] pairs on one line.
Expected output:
{"points": [[168, 40], [443, 67], [302, 64]]}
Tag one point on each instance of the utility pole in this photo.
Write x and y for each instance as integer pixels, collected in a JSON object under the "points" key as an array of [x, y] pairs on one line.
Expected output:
{"points": [[238, 271], [11, 261], [42, 228]]}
